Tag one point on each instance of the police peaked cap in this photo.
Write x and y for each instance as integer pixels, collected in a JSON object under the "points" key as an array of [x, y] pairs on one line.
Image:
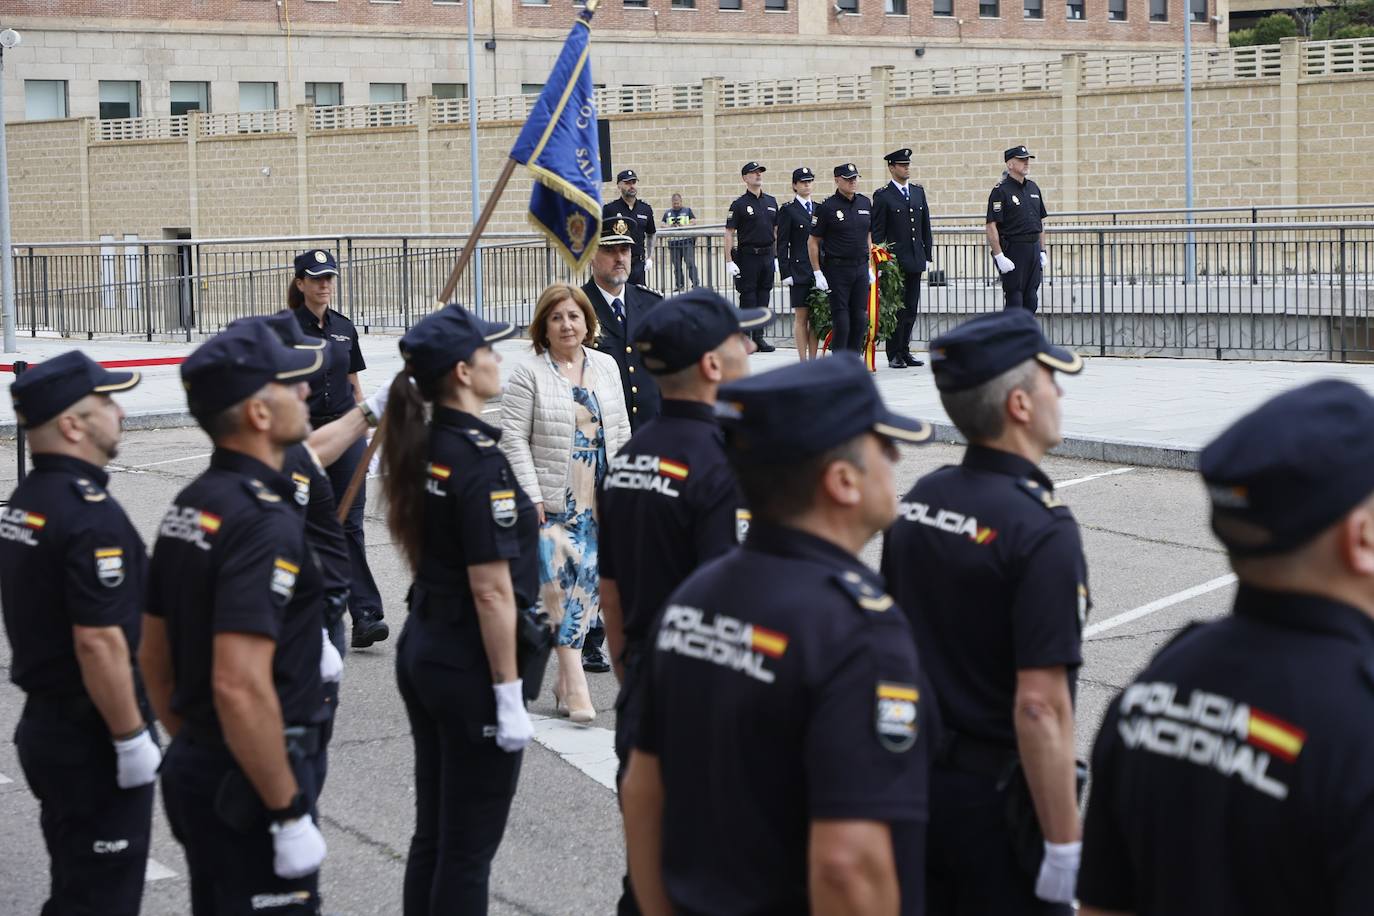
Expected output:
{"points": [[52, 386], [983, 348], [682, 329], [447, 337], [235, 364]]}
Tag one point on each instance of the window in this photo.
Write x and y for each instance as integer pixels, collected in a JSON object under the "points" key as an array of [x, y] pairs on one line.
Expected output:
{"points": [[943, 8], [323, 95], [1116, 10], [531, 88], [1032, 9], [731, 4], [775, 5], [894, 7], [1074, 10], [45, 99], [534, 2], [684, 4], [636, 4], [118, 99], [848, 6], [257, 96], [1198, 9], [1159, 10], [381, 93], [450, 91], [988, 9], [190, 97]]}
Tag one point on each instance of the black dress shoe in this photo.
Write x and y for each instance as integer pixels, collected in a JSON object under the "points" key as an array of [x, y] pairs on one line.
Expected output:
{"points": [[896, 363], [595, 659], [369, 629], [763, 345], [911, 361]]}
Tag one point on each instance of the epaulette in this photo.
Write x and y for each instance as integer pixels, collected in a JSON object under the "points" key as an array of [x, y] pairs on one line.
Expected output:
{"points": [[479, 438], [261, 490], [649, 289], [917, 184], [866, 595], [89, 490], [1040, 494]]}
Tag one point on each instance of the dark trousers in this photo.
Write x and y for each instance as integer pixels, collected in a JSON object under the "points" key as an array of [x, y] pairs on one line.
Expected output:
{"points": [[363, 600], [899, 344], [848, 305], [97, 834], [755, 281], [1021, 287], [971, 869], [464, 783], [626, 715], [637, 271], [222, 826], [684, 255]]}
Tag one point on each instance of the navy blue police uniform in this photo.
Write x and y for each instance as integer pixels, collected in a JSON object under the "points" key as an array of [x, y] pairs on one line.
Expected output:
{"points": [[682, 248], [1238, 735], [783, 684], [640, 216], [988, 564], [617, 327], [69, 557], [232, 557], [754, 217], [474, 513], [794, 229], [1018, 209], [901, 219], [842, 224], [331, 396]]}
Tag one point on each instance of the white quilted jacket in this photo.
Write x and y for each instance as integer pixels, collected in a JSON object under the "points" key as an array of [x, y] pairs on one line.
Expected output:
{"points": [[538, 419]]}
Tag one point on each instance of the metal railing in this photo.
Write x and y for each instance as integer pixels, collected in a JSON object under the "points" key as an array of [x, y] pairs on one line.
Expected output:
{"points": [[1299, 290], [1228, 215]]}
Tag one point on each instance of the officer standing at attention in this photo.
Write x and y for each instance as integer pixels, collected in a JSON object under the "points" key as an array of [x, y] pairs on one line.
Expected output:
{"points": [[989, 566], [682, 248], [780, 761], [1234, 774], [794, 261], [842, 224], [750, 244], [1016, 233], [902, 220], [641, 219], [471, 537], [72, 570], [334, 391], [232, 646]]}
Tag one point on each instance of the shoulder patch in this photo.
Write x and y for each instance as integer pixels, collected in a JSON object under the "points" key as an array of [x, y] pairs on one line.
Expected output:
{"points": [[649, 289], [895, 716], [479, 438], [864, 594], [1039, 493], [89, 490], [261, 491]]}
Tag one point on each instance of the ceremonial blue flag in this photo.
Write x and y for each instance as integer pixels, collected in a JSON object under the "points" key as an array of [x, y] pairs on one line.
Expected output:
{"points": [[559, 145]]}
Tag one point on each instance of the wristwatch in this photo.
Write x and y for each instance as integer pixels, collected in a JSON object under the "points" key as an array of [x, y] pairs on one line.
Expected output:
{"points": [[298, 809]]}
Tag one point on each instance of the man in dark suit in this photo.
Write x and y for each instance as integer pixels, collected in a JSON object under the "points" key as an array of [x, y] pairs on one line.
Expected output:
{"points": [[794, 264], [902, 220]]}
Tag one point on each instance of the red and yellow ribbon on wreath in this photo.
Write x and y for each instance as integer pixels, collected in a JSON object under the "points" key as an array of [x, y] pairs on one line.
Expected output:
{"points": [[878, 256]]}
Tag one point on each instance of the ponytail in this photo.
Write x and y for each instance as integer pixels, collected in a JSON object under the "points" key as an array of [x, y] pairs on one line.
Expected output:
{"points": [[405, 448], [294, 297]]}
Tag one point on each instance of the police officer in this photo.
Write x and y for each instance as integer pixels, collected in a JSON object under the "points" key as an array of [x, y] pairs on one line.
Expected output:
{"points": [[750, 244], [232, 642], [1235, 774], [988, 564], [794, 263], [71, 584], [334, 391], [1016, 233], [780, 762], [471, 536], [842, 224], [641, 219], [682, 248], [901, 219]]}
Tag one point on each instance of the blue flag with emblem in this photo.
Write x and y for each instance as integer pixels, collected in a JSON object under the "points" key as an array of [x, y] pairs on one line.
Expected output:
{"points": [[559, 145]]}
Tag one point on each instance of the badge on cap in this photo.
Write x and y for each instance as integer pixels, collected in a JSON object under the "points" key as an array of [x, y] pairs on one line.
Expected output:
{"points": [[321, 257], [621, 227], [109, 566], [503, 507], [894, 715]]}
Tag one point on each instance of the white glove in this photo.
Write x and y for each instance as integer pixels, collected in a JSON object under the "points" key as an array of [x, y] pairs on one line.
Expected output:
{"points": [[820, 281], [331, 663], [930, 265], [299, 848], [513, 726], [1058, 872], [786, 281], [377, 403], [1004, 264], [1044, 259], [872, 277], [137, 760], [731, 269], [648, 265]]}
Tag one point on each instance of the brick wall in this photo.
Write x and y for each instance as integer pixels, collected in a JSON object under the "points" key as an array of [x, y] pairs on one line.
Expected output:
{"points": [[45, 180]]}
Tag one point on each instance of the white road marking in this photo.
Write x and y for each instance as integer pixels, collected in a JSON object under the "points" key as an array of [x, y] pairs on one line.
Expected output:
{"points": [[139, 467], [590, 749], [1169, 601], [1077, 480], [156, 871], [5, 780]]}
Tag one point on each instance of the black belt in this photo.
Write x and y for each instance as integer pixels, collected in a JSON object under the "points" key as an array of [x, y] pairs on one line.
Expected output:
{"points": [[830, 260], [301, 740], [69, 707], [1033, 237], [755, 249], [976, 756]]}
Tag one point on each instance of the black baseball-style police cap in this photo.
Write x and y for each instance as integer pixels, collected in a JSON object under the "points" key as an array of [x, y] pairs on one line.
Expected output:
{"points": [[847, 170], [287, 328], [803, 174], [237, 363], [803, 409], [751, 166], [52, 386], [679, 331], [615, 231], [316, 263], [448, 336], [899, 157], [984, 347], [1016, 152], [627, 175], [1290, 469]]}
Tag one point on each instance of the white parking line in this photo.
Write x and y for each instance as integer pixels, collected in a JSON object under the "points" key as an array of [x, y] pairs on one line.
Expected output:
{"points": [[590, 749], [1077, 480], [5, 780], [156, 871], [139, 467], [1147, 609]]}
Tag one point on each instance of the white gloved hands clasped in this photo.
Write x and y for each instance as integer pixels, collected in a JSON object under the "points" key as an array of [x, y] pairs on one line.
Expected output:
{"points": [[331, 662], [1058, 872], [648, 266], [1004, 264], [731, 269], [137, 760], [1044, 259], [930, 265], [872, 277], [513, 726], [298, 848], [820, 281]]}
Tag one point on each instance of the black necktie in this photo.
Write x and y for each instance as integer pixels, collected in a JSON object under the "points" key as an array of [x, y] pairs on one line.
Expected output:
{"points": [[619, 308]]}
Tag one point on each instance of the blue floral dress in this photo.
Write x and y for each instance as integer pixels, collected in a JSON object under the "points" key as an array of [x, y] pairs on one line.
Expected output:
{"points": [[569, 577]]}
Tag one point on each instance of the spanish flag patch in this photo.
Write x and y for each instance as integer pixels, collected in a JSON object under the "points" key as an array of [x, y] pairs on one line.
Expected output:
{"points": [[672, 469], [1271, 733], [769, 642], [209, 522]]}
